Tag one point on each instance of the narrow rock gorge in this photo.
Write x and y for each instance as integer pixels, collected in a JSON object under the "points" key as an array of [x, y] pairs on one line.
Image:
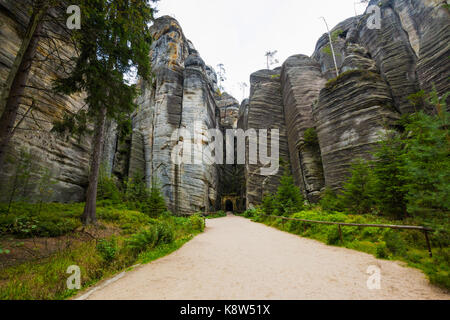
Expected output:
{"points": [[324, 121]]}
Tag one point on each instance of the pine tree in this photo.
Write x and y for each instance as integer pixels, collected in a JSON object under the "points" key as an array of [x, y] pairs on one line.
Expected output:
{"points": [[358, 193], [289, 198]]}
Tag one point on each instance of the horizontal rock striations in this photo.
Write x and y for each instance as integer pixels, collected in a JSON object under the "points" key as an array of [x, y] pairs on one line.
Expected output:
{"points": [[265, 112], [67, 160]]}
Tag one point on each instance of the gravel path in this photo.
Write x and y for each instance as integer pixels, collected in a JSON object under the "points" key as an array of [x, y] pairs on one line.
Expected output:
{"points": [[238, 259]]}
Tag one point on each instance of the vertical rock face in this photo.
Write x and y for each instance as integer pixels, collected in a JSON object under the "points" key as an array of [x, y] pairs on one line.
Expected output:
{"points": [[229, 109], [265, 112], [198, 185], [181, 97], [352, 112], [66, 159], [324, 122], [302, 81]]}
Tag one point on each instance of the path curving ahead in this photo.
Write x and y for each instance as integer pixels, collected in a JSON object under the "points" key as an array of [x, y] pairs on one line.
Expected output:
{"points": [[238, 259]]}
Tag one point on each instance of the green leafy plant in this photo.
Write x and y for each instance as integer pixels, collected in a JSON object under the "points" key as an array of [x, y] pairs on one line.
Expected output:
{"points": [[143, 240], [107, 249], [197, 222]]}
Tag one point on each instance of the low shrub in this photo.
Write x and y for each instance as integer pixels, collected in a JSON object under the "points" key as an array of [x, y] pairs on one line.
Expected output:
{"points": [[146, 239], [394, 242], [165, 233], [382, 251], [197, 222], [107, 249]]}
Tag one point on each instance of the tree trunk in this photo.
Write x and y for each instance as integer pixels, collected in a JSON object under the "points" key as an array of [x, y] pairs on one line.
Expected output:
{"points": [[89, 215], [17, 79]]}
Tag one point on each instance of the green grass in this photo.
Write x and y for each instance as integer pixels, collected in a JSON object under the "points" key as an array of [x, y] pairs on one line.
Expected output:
{"points": [[405, 245], [46, 279], [218, 214]]}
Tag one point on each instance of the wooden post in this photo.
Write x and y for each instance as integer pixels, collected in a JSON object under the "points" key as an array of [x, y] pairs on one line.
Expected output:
{"points": [[340, 233], [428, 243]]}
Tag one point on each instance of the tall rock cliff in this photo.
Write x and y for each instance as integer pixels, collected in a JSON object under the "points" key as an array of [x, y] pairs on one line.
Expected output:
{"points": [[265, 112], [324, 121], [66, 159], [180, 99], [330, 121]]}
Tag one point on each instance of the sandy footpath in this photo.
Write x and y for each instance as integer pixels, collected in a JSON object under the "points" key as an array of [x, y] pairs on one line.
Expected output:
{"points": [[238, 259]]}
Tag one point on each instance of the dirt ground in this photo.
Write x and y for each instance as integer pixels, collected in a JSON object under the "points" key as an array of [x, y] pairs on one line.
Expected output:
{"points": [[238, 259]]}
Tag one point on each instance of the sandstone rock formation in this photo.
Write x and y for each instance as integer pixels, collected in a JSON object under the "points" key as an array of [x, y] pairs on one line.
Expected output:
{"points": [[302, 80], [68, 160], [181, 98], [324, 121], [265, 112]]}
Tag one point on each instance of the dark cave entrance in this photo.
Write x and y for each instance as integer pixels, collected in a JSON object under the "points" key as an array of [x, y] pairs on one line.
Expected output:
{"points": [[229, 206]]}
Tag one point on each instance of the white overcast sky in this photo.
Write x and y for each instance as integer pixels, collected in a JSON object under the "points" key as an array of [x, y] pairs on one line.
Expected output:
{"points": [[237, 33]]}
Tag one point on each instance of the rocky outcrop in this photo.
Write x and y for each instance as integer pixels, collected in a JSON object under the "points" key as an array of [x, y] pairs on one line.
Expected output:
{"points": [[66, 159], [181, 99], [324, 121], [265, 112], [302, 80], [352, 113], [229, 109]]}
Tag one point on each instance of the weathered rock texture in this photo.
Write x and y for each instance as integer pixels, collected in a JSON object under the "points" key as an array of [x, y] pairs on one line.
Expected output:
{"points": [[180, 98], [378, 69], [265, 112], [229, 109], [68, 160], [302, 80]]}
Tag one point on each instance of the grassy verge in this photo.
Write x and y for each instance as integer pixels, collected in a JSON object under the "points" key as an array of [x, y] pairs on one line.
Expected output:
{"points": [[141, 240], [404, 245], [218, 214]]}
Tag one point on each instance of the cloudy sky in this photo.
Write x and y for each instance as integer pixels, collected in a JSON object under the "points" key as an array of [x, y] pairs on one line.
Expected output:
{"points": [[238, 33]]}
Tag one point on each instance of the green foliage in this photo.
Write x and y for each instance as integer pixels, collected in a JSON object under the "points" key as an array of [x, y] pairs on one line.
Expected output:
{"points": [[107, 188], [409, 174], [360, 73], [97, 260], [357, 194], [329, 201], [287, 200], [155, 204], [166, 233], [389, 171], [218, 214], [250, 213], [269, 205], [107, 249], [197, 222], [382, 251], [4, 251], [143, 240], [115, 38], [139, 197], [44, 220], [336, 34], [394, 243], [311, 138]]}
